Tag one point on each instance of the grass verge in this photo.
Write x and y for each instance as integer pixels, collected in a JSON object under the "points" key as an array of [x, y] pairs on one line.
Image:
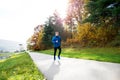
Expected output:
{"points": [[19, 67], [98, 54]]}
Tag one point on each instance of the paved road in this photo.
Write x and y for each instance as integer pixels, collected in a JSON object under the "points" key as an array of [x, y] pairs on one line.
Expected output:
{"points": [[75, 69]]}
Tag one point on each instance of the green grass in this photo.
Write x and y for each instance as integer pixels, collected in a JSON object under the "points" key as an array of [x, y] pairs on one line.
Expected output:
{"points": [[19, 67], [99, 54]]}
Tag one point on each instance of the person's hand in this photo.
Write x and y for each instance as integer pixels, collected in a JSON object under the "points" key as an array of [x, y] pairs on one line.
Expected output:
{"points": [[56, 40]]}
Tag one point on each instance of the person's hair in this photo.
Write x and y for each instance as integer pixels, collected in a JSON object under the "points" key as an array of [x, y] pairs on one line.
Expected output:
{"points": [[56, 31]]}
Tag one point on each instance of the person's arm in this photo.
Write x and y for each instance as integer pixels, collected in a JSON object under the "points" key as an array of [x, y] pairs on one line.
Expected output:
{"points": [[53, 40]]}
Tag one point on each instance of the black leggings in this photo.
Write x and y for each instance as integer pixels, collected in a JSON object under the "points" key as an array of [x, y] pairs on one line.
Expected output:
{"points": [[55, 50]]}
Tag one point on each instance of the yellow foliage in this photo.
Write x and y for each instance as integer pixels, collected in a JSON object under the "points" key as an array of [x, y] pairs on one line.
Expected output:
{"points": [[72, 40], [88, 35], [37, 39]]}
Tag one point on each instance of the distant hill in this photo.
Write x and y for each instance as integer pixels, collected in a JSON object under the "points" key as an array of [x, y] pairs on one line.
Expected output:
{"points": [[7, 45]]}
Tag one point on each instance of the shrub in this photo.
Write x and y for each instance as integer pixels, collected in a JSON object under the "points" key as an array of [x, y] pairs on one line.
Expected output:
{"points": [[115, 43], [92, 36]]}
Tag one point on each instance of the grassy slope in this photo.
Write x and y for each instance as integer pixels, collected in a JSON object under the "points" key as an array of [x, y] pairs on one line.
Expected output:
{"points": [[19, 67], [99, 54]]}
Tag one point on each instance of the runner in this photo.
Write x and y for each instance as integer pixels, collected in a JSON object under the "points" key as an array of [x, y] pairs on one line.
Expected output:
{"points": [[56, 40]]}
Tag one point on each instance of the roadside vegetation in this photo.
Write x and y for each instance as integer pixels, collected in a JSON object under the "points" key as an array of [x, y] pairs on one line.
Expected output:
{"points": [[19, 67], [98, 54]]}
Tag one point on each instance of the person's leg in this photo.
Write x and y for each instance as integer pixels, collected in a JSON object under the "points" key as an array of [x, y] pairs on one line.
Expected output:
{"points": [[55, 49], [59, 52]]}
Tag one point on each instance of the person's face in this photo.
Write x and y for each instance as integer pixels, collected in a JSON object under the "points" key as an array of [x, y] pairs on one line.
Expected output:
{"points": [[56, 33]]}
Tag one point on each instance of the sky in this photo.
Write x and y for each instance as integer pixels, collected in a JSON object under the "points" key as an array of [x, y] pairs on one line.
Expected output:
{"points": [[19, 17]]}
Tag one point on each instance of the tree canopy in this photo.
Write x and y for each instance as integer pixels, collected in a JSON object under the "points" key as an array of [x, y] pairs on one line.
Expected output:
{"points": [[102, 12]]}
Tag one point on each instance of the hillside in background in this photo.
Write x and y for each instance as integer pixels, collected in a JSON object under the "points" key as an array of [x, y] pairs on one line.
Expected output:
{"points": [[9, 46]]}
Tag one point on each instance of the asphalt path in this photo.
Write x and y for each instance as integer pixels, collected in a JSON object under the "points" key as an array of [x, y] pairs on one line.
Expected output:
{"points": [[75, 69]]}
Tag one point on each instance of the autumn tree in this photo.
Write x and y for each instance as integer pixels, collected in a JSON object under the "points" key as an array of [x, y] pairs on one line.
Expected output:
{"points": [[35, 41], [76, 13], [76, 10]]}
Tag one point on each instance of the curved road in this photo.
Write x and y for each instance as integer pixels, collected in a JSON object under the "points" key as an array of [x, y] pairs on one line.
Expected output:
{"points": [[75, 69]]}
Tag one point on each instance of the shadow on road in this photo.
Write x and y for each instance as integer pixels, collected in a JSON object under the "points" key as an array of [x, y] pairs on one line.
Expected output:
{"points": [[53, 70]]}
